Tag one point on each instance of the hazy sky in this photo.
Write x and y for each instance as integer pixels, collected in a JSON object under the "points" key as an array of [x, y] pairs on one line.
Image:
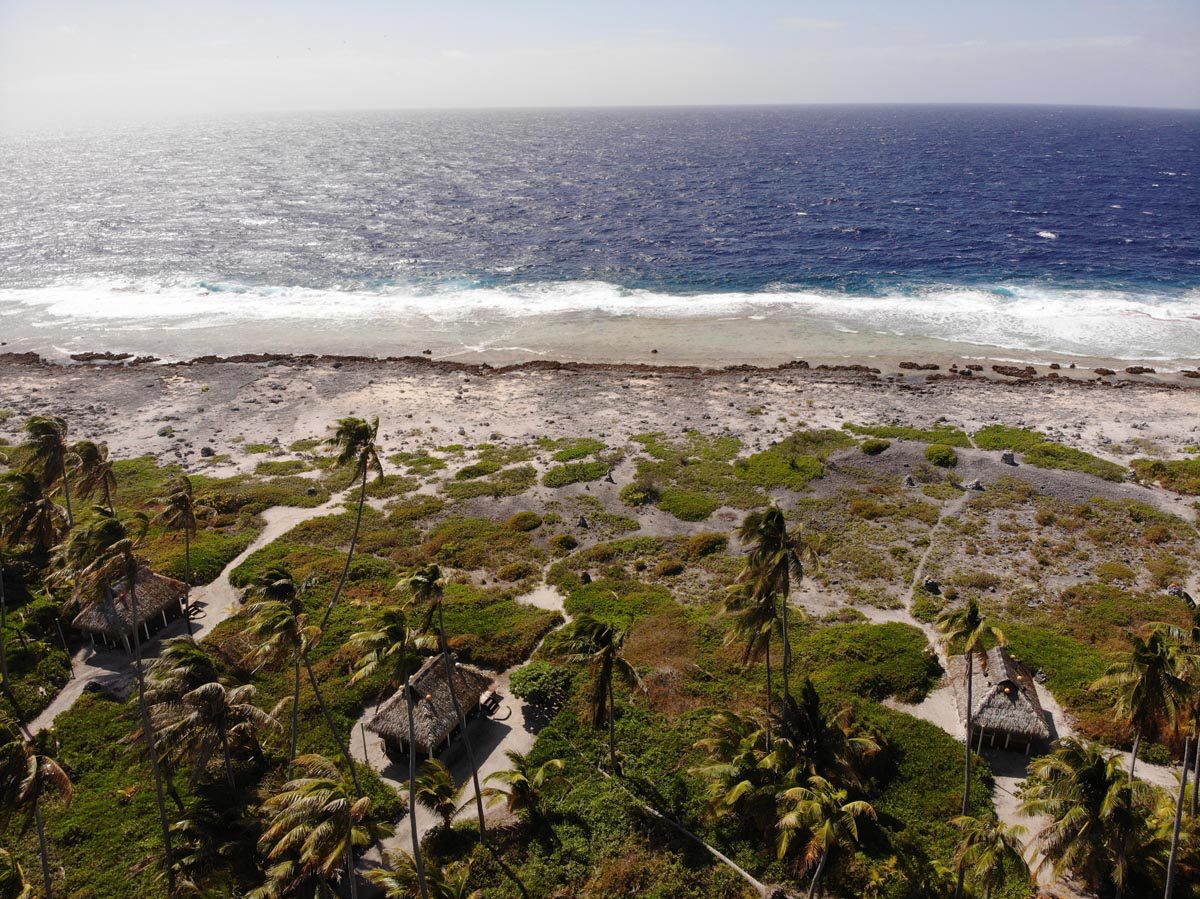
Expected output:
{"points": [[66, 60]]}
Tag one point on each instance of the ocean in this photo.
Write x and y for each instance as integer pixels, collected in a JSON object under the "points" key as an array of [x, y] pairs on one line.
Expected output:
{"points": [[712, 234]]}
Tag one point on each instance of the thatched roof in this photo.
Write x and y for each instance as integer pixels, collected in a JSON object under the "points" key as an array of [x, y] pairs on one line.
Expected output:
{"points": [[114, 618], [1004, 695], [433, 712]]}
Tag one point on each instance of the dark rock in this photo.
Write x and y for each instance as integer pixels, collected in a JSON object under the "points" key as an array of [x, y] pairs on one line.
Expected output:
{"points": [[1104, 372], [583, 522], [932, 586], [919, 366], [1015, 371], [908, 481], [207, 452], [1139, 370], [585, 578], [1008, 457], [975, 485]]}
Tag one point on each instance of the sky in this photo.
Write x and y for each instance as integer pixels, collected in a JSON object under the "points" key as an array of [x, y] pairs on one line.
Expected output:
{"points": [[64, 62]]}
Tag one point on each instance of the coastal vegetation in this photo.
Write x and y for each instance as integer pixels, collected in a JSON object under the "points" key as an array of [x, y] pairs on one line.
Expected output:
{"points": [[731, 658]]}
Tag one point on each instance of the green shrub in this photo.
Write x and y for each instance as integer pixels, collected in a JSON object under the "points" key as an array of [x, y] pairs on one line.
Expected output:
{"points": [[1115, 572], [873, 446], [941, 455], [569, 449], [639, 493], [524, 521], [541, 683], [281, 466], [687, 505], [258, 448], [943, 434], [669, 568], [1178, 476], [872, 660], [574, 473], [1005, 437], [561, 544], [476, 470], [1055, 455], [705, 544], [517, 571]]}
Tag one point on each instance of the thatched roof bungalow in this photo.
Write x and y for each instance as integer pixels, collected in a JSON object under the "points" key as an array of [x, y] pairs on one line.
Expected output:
{"points": [[434, 721], [158, 598], [1007, 713]]}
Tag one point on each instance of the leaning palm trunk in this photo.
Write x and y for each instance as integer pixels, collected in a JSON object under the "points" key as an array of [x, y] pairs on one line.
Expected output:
{"points": [[612, 719], [332, 727], [187, 573], [462, 723], [816, 881], [970, 659], [1137, 741], [362, 499], [1195, 770], [787, 653], [1178, 819], [295, 705], [148, 727], [350, 878], [43, 849], [418, 860]]}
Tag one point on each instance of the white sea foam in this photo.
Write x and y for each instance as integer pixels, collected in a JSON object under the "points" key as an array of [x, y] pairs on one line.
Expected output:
{"points": [[1048, 235], [1119, 324]]}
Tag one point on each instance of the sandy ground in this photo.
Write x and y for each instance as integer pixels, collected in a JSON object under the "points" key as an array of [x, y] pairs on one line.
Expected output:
{"points": [[174, 411]]}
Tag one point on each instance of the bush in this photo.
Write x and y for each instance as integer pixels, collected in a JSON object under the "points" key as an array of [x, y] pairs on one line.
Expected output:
{"points": [[574, 473], [874, 446], [561, 544], [639, 493], [541, 683], [477, 470], [1055, 455], [687, 505], [1178, 476], [943, 434], [1004, 437], [524, 521], [941, 455], [705, 545]]}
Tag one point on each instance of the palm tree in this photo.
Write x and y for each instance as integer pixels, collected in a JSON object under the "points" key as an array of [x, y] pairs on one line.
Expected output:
{"points": [[599, 646], [386, 647], [989, 851], [1097, 812], [27, 513], [97, 557], [774, 561], [968, 629], [755, 619], [279, 625], [26, 776], [437, 791], [213, 838], [354, 441], [1146, 687], [50, 455], [401, 878], [524, 785], [13, 884], [183, 666], [426, 586], [738, 780], [181, 512], [827, 815], [95, 471], [313, 825], [209, 719], [811, 740]]}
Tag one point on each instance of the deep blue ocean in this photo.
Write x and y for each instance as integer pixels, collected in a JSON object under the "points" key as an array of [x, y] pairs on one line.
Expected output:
{"points": [[918, 220]]}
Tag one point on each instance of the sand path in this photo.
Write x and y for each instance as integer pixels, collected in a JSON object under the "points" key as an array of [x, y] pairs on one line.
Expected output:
{"points": [[112, 669]]}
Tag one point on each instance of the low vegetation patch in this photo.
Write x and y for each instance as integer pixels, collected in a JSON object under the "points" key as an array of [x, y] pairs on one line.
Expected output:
{"points": [[944, 434], [1006, 437], [1177, 475], [574, 473], [1055, 455]]}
